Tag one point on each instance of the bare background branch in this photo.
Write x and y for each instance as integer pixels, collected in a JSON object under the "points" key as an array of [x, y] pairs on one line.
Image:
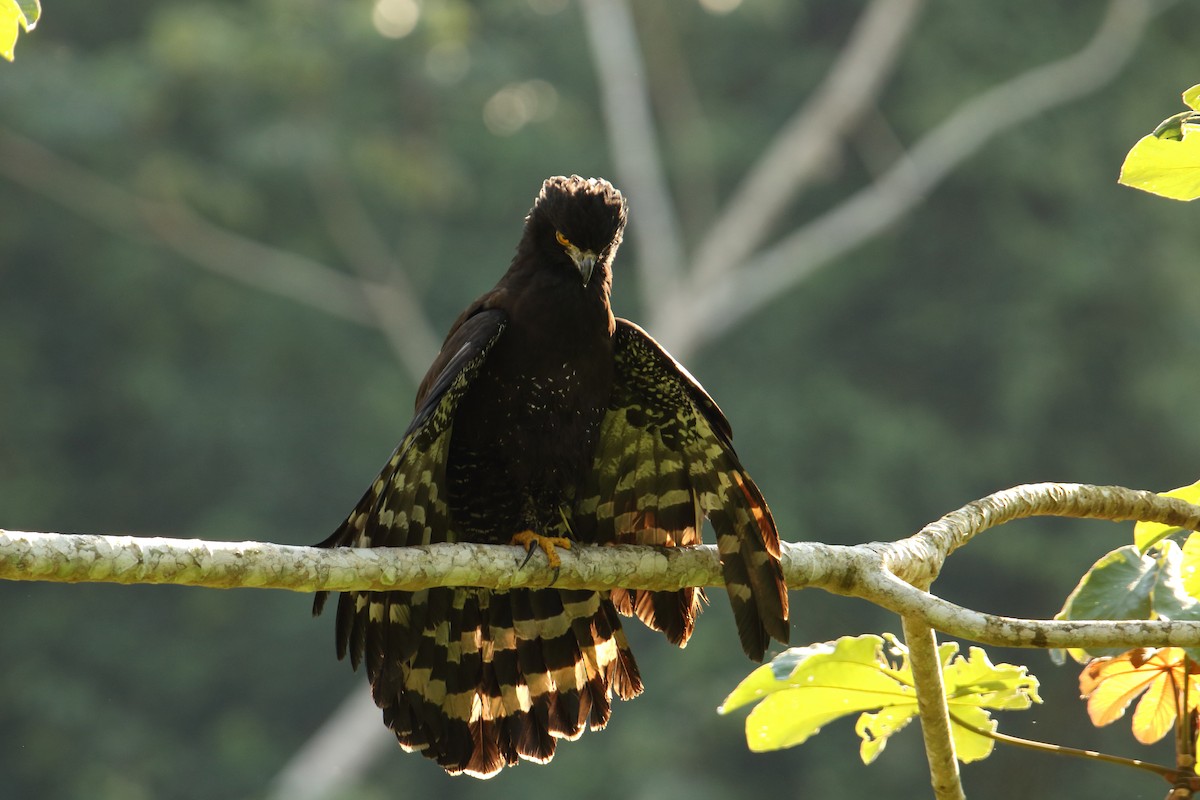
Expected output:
{"points": [[728, 280], [634, 147], [726, 294], [809, 140], [382, 301], [394, 302], [342, 750]]}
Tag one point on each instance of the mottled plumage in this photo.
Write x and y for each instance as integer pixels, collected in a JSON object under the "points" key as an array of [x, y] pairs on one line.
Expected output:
{"points": [[543, 413]]}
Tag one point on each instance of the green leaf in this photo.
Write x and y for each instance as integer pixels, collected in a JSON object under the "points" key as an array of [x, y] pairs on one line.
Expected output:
{"points": [[875, 729], [1126, 584], [1163, 166], [1189, 567], [1146, 534], [974, 684], [805, 688], [1175, 127], [817, 684], [1167, 162], [771, 677], [16, 15], [1118, 586], [1191, 98]]}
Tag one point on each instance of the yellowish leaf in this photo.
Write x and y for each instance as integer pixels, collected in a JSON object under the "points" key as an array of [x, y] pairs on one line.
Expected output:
{"points": [[968, 745], [1191, 98], [16, 15], [1156, 711], [1158, 674], [1146, 534], [805, 688], [1165, 166], [1189, 567]]}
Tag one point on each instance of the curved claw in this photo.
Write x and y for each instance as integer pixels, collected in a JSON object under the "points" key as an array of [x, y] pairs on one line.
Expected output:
{"points": [[528, 539]]}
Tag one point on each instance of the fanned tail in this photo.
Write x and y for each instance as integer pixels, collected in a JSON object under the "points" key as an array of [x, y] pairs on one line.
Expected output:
{"points": [[476, 679]]}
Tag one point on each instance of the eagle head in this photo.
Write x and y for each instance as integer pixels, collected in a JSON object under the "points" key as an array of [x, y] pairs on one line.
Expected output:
{"points": [[577, 222]]}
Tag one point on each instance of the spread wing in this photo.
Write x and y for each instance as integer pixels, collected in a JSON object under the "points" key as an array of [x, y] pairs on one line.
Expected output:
{"points": [[664, 462], [471, 678], [406, 504]]}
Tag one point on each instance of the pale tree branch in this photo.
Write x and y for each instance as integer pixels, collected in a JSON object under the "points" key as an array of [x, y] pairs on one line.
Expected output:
{"points": [[211, 247], [629, 123], [934, 711], [884, 573], [707, 310], [891, 575], [338, 754], [679, 110]]}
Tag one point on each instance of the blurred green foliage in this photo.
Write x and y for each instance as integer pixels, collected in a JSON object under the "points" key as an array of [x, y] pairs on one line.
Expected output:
{"points": [[1030, 321]]}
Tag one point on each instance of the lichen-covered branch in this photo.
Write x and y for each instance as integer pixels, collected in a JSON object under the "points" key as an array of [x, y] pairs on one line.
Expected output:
{"points": [[223, 251], [76, 558], [884, 573], [935, 713], [892, 575]]}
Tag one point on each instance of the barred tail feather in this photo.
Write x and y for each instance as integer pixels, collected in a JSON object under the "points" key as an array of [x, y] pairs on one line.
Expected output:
{"points": [[749, 548], [477, 680]]}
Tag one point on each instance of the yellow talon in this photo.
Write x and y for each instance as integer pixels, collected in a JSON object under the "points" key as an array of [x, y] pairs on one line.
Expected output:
{"points": [[528, 539]]}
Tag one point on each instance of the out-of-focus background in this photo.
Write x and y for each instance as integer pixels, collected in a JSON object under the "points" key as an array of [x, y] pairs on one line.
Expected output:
{"points": [[886, 236]]}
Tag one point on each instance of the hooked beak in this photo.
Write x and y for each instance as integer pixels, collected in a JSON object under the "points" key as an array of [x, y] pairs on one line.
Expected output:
{"points": [[585, 262]]}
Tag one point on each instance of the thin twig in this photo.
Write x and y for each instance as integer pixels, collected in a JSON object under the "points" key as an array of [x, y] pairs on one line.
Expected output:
{"points": [[221, 251], [397, 310], [181, 230], [1062, 750]]}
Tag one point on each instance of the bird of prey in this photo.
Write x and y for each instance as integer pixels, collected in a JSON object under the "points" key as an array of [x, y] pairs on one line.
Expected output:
{"points": [[546, 422]]}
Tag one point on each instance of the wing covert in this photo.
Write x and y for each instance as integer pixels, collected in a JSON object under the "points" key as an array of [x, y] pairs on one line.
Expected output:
{"points": [[664, 462]]}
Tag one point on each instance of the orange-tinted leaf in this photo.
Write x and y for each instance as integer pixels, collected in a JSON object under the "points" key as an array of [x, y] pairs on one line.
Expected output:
{"points": [[1156, 711], [1111, 684]]}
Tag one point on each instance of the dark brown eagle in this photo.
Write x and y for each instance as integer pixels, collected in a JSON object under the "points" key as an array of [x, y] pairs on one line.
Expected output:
{"points": [[545, 421]]}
